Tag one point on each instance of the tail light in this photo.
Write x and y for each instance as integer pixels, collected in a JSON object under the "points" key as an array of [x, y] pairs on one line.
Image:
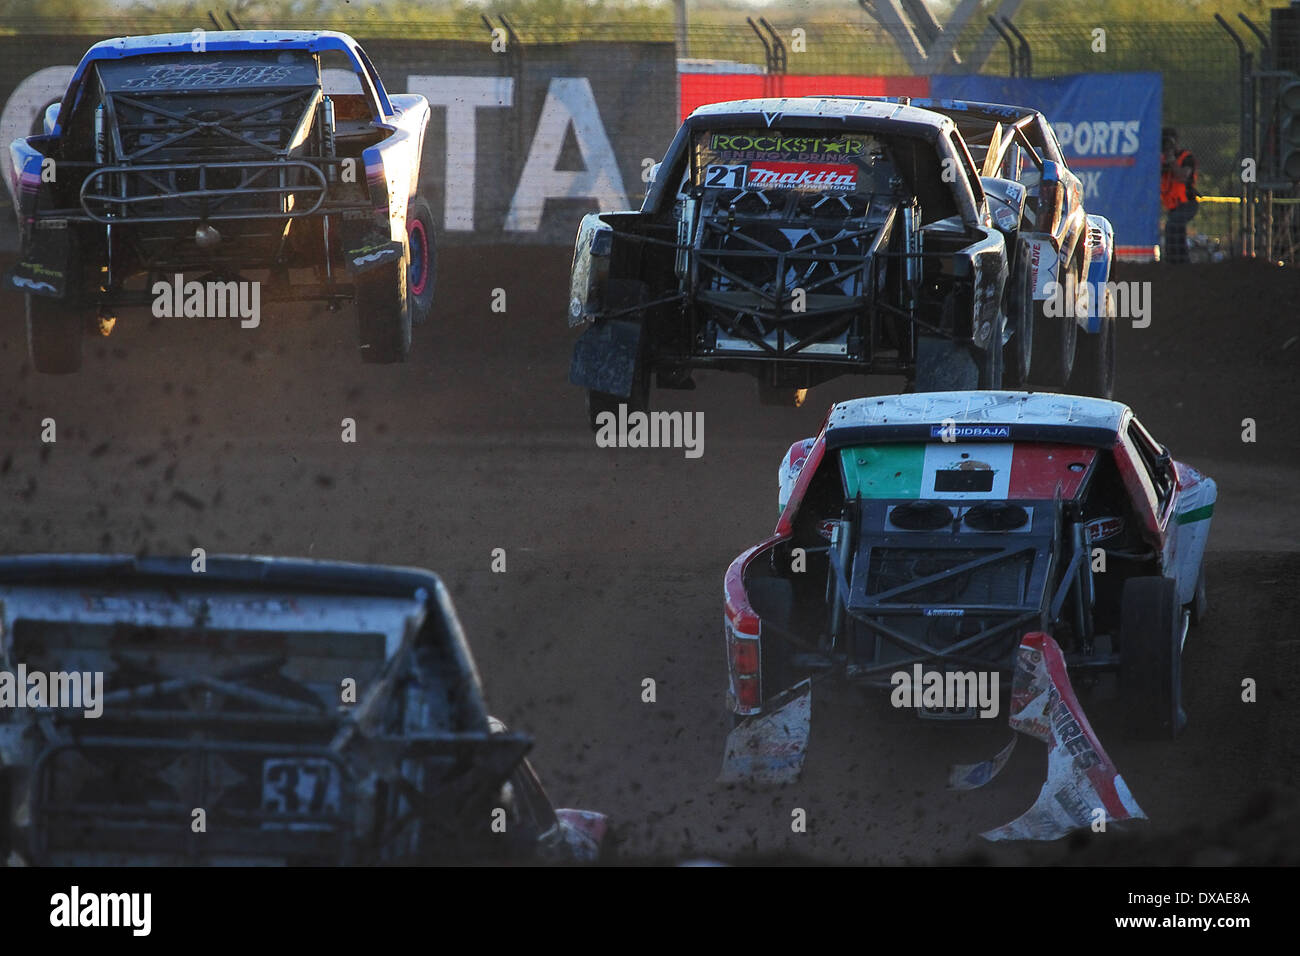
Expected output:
{"points": [[743, 664], [377, 188], [1049, 199]]}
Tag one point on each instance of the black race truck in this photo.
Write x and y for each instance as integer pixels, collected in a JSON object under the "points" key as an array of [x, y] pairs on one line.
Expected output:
{"points": [[795, 240], [249, 711]]}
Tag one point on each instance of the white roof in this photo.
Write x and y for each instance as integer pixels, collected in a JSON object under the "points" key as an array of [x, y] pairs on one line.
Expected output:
{"points": [[982, 408], [830, 105]]}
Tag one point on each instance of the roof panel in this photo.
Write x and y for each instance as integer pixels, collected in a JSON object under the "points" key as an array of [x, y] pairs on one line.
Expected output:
{"points": [[978, 408]]}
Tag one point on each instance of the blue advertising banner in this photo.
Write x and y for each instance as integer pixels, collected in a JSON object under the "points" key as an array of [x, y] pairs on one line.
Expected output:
{"points": [[1109, 128]]}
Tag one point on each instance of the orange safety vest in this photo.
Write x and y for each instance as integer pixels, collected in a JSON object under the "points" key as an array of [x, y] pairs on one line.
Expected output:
{"points": [[1173, 191]]}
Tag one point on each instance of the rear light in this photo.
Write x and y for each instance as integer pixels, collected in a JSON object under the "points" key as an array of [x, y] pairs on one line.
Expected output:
{"points": [[377, 188], [1049, 205], [744, 656], [743, 665]]}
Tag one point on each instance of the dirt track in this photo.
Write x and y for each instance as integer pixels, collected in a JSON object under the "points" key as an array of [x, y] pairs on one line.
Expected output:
{"points": [[183, 432]]}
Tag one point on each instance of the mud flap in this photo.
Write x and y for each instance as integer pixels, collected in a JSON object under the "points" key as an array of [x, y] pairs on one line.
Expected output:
{"points": [[1083, 787], [605, 357], [43, 268], [943, 365], [365, 247], [970, 776], [769, 748]]}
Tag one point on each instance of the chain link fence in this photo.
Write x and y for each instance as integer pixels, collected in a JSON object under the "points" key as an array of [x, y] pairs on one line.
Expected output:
{"points": [[1198, 61]]}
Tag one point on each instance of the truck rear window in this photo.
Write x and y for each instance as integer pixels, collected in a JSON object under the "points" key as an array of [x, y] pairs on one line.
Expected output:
{"points": [[820, 162], [970, 469], [208, 71]]}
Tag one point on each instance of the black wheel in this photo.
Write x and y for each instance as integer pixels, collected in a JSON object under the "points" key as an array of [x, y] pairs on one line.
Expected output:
{"points": [[944, 366], [1199, 606], [989, 360], [6, 837], [422, 251], [1020, 316], [1151, 653], [1094, 362], [598, 403], [384, 314], [773, 601], [1054, 338], [54, 331]]}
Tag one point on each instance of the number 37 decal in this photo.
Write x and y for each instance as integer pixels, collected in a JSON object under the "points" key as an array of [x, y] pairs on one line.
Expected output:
{"points": [[300, 787]]}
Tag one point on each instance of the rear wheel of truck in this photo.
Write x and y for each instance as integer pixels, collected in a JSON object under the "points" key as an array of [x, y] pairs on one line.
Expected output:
{"points": [[1020, 316], [384, 313], [1055, 337], [1152, 625], [1094, 362], [1199, 606], [943, 365], [601, 402], [54, 331], [422, 251]]}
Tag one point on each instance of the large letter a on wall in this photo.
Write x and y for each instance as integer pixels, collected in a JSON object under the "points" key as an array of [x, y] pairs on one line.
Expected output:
{"points": [[569, 100]]}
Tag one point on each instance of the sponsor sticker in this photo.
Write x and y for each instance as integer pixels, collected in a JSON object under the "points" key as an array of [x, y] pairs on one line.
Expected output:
{"points": [[1099, 529], [952, 432], [814, 177], [210, 75], [779, 143]]}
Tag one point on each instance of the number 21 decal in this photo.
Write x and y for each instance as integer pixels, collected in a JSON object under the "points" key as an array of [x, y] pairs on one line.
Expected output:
{"points": [[731, 177]]}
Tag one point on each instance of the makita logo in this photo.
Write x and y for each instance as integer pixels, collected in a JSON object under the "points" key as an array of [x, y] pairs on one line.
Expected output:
{"points": [[819, 177], [953, 432]]}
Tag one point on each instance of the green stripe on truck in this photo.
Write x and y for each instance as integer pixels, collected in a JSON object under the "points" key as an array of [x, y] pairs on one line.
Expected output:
{"points": [[1196, 514]]}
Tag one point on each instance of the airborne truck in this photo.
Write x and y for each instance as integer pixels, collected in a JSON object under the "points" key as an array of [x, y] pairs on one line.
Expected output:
{"points": [[260, 156], [795, 240]]}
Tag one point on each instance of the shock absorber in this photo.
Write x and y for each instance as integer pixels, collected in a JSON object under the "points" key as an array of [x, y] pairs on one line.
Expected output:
{"points": [[332, 176], [327, 134], [100, 150]]}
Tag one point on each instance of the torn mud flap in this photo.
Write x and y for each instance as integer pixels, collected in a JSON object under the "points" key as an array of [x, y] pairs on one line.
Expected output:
{"points": [[1082, 787], [769, 748], [605, 357], [969, 776]]}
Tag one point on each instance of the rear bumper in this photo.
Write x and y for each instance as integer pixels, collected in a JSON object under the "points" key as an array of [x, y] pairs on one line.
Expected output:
{"points": [[185, 192]]}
